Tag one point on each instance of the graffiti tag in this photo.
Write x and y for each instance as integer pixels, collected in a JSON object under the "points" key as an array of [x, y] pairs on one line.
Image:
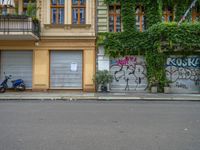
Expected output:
{"points": [[184, 72], [130, 70], [184, 62]]}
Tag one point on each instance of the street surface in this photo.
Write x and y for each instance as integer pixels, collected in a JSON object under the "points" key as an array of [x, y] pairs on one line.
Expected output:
{"points": [[99, 125]]}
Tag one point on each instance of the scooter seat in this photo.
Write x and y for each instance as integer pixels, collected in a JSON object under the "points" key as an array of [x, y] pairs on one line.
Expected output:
{"points": [[18, 81]]}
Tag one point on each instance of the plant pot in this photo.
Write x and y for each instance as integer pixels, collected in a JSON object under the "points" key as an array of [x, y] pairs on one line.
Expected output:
{"points": [[167, 89], [154, 89], [104, 88]]}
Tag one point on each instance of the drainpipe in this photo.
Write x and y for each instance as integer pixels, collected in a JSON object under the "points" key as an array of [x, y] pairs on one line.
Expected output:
{"points": [[96, 32], [186, 13]]}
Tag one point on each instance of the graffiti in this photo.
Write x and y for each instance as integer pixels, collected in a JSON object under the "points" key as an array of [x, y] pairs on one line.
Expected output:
{"points": [[184, 62], [184, 72], [174, 74], [127, 61], [181, 85], [130, 72]]}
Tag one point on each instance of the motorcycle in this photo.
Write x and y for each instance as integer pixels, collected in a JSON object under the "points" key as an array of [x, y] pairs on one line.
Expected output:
{"points": [[18, 84]]}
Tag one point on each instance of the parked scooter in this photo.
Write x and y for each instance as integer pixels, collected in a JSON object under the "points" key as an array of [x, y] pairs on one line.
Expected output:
{"points": [[18, 84]]}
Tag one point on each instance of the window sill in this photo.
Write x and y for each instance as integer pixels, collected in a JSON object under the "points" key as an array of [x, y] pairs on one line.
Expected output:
{"points": [[54, 26], [79, 25], [67, 26]]}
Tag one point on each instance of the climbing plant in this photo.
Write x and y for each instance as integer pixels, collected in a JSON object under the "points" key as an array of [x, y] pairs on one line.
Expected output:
{"points": [[158, 41], [31, 9], [128, 13], [153, 12]]}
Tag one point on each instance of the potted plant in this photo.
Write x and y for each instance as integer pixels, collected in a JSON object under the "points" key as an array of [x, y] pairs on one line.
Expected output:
{"points": [[153, 84], [167, 88], [102, 79]]}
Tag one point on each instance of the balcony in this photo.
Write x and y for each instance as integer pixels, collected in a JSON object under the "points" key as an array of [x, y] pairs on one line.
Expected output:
{"points": [[19, 28]]}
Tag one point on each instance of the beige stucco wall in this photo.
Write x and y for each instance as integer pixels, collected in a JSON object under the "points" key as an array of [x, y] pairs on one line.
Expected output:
{"points": [[64, 37], [89, 69], [40, 69], [89, 60], [41, 56], [67, 30]]}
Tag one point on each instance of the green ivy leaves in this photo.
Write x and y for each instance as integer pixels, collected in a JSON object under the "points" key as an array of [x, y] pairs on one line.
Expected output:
{"points": [[158, 41]]}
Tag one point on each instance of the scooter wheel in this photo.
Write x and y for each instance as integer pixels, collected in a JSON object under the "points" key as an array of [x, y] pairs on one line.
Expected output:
{"points": [[22, 87], [2, 90]]}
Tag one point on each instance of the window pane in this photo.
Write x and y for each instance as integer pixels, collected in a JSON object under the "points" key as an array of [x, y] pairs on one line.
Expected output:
{"points": [[75, 2], [61, 2], [82, 15], [118, 24], [167, 14], [53, 12], [53, 2], [75, 16], [111, 9], [111, 23], [143, 23], [118, 9], [197, 18], [82, 2], [61, 16], [170, 18]]}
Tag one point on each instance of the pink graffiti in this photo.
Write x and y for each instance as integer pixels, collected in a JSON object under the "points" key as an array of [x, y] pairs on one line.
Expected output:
{"points": [[126, 60]]}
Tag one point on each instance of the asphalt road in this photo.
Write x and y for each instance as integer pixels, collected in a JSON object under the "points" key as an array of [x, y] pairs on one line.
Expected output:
{"points": [[93, 125]]}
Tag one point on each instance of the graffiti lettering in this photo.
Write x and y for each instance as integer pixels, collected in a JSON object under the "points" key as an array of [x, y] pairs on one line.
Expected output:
{"points": [[184, 62], [131, 71], [181, 85], [184, 72], [174, 74], [127, 60]]}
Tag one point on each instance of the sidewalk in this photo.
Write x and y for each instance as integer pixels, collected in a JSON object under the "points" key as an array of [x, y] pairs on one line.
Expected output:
{"points": [[96, 96]]}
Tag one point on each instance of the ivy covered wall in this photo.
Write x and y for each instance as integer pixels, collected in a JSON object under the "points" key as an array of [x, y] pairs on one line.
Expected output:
{"points": [[158, 41]]}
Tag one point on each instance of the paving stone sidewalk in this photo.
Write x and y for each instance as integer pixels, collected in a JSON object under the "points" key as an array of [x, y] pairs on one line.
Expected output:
{"points": [[96, 96]]}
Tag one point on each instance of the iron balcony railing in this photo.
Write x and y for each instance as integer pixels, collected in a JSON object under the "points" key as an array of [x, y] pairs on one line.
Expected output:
{"points": [[19, 23]]}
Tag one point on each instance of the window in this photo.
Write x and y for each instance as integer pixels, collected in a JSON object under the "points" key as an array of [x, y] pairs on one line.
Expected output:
{"points": [[8, 7], [78, 11], [25, 5], [139, 12], [196, 14], [115, 18], [57, 11], [167, 14]]}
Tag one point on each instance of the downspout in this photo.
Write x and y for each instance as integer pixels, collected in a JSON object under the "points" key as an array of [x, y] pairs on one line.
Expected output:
{"points": [[96, 33], [187, 11]]}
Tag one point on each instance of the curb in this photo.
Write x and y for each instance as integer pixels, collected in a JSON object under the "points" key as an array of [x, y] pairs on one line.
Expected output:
{"points": [[102, 98]]}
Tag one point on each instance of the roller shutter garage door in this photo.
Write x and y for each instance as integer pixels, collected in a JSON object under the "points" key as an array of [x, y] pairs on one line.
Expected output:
{"points": [[18, 64], [66, 70], [129, 74]]}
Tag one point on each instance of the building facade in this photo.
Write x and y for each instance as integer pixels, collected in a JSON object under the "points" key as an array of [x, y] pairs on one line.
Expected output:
{"points": [[130, 72], [56, 52], [51, 44]]}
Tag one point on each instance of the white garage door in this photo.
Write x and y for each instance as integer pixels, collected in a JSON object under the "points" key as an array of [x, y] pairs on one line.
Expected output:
{"points": [[66, 70], [18, 64]]}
